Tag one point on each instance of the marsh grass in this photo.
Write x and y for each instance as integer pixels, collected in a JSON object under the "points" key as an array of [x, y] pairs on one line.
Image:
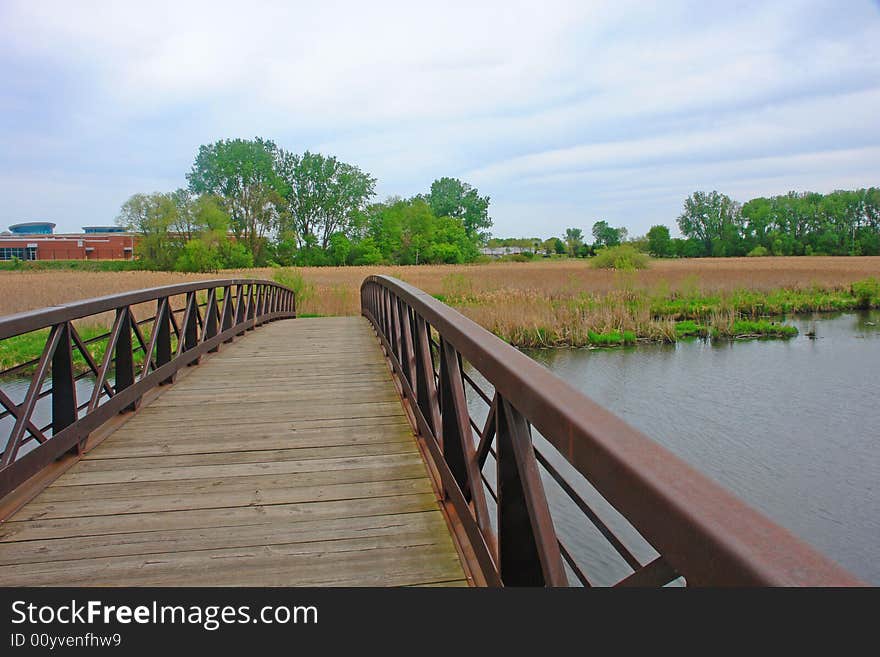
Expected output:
{"points": [[27, 347], [542, 303]]}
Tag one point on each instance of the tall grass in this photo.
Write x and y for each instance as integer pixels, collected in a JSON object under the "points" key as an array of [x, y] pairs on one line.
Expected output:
{"points": [[543, 303]]}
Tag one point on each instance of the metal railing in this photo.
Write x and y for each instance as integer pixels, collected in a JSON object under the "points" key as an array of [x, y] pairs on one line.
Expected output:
{"points": [[692, 529], [187, 321]]}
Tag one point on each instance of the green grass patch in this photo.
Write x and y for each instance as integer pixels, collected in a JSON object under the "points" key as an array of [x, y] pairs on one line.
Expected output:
{"points": [[611, 338], [72, 265], [24, 348], [690, 329], [743, 328]]}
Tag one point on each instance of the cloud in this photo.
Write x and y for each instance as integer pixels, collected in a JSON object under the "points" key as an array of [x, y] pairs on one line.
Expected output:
{"points": [[566, 110]]}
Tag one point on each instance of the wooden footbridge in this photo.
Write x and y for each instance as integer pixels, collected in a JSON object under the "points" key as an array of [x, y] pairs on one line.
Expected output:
{"points": [[202, 441]]}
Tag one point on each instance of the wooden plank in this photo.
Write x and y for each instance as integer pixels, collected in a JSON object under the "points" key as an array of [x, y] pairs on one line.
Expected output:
{"points": [[424, 523], [255, 484], [78, 477], [285, 460], [258, 428], [271, 412], [384, 561], [304, 439], [358, 483], [23, 531], [98, 463]]}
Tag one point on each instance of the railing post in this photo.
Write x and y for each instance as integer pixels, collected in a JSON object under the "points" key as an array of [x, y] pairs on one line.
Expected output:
{"points": [[261, 297], [426, 391], [458, 441], [211, 319], [191, 325], [394, 338], [406, 343], [252, 304], [64, 411], [240, 307], [124, 371], [228, 312], [163, 335], [527, 544]]}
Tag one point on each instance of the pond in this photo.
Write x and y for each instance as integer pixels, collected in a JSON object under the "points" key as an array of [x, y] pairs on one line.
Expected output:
{"points": [[790, 426]]}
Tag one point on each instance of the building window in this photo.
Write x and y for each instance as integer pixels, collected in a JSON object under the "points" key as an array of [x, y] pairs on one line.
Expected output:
{"points": [[22, 253]]}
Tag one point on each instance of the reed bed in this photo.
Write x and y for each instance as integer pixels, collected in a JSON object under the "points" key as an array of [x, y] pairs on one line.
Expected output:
{"points": [[543, 303]]}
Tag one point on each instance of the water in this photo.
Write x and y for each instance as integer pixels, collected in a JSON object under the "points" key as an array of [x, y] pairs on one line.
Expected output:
{"points": [[792, 427]]}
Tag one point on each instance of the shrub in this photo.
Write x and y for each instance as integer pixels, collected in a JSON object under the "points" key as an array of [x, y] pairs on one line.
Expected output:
{"points": [[303, 291], [625, 257], [867, 292], [197, 256], [758, 252]]}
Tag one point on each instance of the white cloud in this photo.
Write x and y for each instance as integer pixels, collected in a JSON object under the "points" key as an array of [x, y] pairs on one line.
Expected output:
{"points": [[554, 109]]}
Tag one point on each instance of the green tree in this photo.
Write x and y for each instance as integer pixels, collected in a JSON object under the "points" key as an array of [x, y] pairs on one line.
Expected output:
{"points": [[242, 173], [574, 238], [198, 256], [340, 248], [710, 218], [151, 216], [451, 197], [324, 196], [659, 241], [606, 235], [408, 232]]}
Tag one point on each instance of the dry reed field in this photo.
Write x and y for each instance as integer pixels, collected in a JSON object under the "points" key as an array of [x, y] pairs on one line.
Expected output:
{"points": [[543, 302]]}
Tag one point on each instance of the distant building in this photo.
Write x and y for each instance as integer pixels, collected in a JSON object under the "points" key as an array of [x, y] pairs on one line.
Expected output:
{"points": [[91, 230], [498, 251], [36, 241], [33, 228]]}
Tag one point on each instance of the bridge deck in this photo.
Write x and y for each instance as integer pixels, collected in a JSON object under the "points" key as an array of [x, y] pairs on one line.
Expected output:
{"points": [[285, 460]]}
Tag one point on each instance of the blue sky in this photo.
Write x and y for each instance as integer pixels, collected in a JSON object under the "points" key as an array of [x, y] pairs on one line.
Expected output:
{"points": [[563, 112]]}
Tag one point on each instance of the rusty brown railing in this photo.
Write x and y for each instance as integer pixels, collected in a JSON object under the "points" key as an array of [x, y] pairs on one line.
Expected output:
{"points": [[661, 520], [181, 329]]}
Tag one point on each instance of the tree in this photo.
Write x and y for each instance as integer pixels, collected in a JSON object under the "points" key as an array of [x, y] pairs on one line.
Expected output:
{"points": [[151, 216], [711, 218], [340, 248], [324, 196], [606, 235], [574, 237], [659, 242], [242, 173], [408, 232], [451, 197]]}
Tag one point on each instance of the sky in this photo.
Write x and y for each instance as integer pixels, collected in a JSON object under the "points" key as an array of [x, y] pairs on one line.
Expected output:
{"points": [[564, 113]]}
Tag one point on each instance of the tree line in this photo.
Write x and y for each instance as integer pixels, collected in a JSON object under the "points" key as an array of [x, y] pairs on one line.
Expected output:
{"points": [[844, 222], [250, 203]]}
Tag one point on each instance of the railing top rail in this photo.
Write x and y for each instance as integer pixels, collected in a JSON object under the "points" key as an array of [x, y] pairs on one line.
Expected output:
{"points": [[32, 320], [701, 529]]}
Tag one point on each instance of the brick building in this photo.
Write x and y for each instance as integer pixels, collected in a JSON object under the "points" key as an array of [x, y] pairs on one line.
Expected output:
{"points": [[37, 241]]}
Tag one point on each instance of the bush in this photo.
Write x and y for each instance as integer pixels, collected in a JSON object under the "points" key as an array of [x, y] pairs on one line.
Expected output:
{"points": [[303, 291], [758, 252], [237, 256], [623, 257], [867, 292], [197, 256], [515, 257]]}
